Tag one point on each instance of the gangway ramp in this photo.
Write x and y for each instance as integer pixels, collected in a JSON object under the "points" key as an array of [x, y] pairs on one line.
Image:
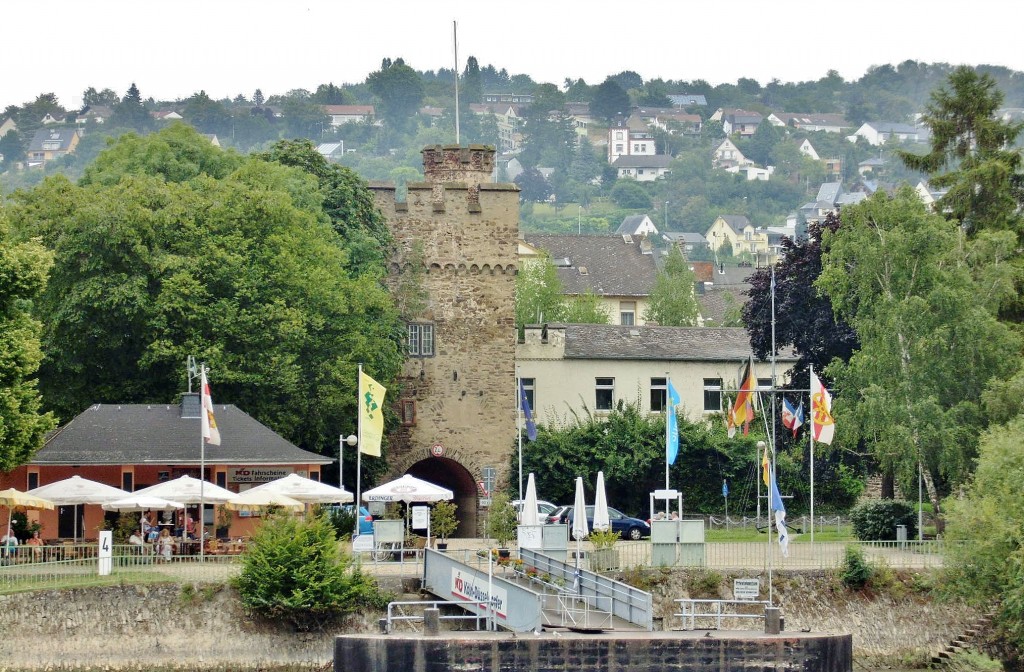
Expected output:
{"points": [[515, 602]]}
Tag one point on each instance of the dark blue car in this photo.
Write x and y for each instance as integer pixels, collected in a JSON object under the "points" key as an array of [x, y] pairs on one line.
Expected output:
{"points": [[626, 526]]}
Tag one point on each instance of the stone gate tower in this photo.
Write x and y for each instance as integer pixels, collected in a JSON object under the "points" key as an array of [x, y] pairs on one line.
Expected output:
{"points": [[453, 272]]}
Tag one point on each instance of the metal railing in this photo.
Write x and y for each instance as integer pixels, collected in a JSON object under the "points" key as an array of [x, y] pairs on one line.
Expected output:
{"points": [[574, 611], [716, 610], [393, 618], [77, 565]]}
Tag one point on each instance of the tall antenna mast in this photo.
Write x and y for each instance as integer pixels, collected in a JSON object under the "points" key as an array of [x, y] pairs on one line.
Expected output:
{"points": [[455, 45]]}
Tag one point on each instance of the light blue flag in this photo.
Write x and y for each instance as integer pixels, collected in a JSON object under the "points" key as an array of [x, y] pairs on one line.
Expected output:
{"points": [[671, 426], [780, 516]]}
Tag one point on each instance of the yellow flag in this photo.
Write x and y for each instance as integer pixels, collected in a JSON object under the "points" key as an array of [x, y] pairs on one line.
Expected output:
{"points": [[371, 415]]}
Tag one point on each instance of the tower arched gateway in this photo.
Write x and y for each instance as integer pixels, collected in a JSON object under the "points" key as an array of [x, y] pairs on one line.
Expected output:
{"points": [[453, 272]]}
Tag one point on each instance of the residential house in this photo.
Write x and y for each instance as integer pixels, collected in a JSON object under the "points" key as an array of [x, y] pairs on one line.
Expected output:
{"points": [[928, 195], [629, 137], [881, 132], [7, 125], [643, 168], [132, 446], [432, 114], [762, 244], [741, 123], [97, 114], [688, 99], [167, 115], [807, 149], [332, 151], [212, 137], [752, 172], [727, 155], [579, 117], [670, 119], [580, 368], [872, 165], [51, 143], [509, 119], [637, 225], [828, 123], [831, 197], [619, 269], [348, 114], [48, 119], [513, 98]]}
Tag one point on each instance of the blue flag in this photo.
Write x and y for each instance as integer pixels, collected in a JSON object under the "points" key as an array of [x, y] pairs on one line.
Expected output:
{"points": [[671, 426], [524, 403], [725, 489]]}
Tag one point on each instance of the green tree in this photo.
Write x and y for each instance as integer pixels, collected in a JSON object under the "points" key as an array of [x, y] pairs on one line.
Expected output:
{"points": [[471, 88], [207, 115], [586, 308], [538, 292], [400, 90], [107, 97], [243, 270], [928, 348], [610, 100], [533, 185], [23, 272], [761, 146], [294, 570], [672, 302], [12, 148], [983, 179], [986, 528], [630, 194], [131, 113]]}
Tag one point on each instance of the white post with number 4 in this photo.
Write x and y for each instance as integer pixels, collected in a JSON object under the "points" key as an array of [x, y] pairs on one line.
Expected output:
{"points": [[106, 552]]}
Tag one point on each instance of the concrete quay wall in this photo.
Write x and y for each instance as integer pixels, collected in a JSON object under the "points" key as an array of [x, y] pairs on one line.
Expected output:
{"points": [[604, 652]]}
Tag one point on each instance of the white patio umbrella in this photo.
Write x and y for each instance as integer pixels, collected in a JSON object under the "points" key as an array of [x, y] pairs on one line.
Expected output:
{"points": [[142, 503], [579, 526], [601, 519], [408, 489], [579, 513], [77, 490], [186, 490], [529, 513], [305, 490], [255, 499]]}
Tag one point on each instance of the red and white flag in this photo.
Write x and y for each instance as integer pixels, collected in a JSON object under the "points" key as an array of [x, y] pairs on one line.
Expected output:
{"points": [[210, 432]]}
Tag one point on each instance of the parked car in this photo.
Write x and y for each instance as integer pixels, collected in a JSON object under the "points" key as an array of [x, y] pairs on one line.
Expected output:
{"points": [[627, 526], [543, 509], [365, 518]]}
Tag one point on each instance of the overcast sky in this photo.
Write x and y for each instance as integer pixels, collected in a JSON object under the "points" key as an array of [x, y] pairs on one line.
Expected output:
{"points": [[227, 47]]}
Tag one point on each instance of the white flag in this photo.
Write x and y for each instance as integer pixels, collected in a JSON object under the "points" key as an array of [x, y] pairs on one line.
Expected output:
{"points": [[210, 432]]}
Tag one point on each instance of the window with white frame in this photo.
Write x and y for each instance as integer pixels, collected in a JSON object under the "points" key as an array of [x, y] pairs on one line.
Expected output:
{"points": [[627, 313], [529, 387], [604, 393], [421, 339], [712, 395], [659, 394]]}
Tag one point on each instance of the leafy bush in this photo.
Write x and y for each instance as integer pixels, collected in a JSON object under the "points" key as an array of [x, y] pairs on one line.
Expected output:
{"points": [[855, 571], [295, 571], [876, 520], [343, 520]]}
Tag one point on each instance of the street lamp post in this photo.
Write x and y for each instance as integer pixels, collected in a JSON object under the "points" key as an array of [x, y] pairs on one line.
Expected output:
{"points": [[351, 440]]}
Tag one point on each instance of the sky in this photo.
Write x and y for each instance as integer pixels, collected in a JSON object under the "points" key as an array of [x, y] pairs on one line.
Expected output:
{"points": [[226, 47]]}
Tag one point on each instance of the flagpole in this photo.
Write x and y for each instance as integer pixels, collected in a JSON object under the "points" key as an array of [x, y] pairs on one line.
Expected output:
{"points": [[519, 430], [811, 433], [202, 474], [668, 430], [359, 446]]}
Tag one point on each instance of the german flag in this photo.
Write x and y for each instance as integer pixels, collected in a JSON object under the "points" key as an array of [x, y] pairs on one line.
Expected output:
{"points": [[743, 409]]}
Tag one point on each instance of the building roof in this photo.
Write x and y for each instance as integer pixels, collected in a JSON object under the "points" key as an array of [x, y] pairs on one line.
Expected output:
{"points": [[714, 303], [688, 237], [642, 161], [685, 99], [829, 192], [52, 139], [618, 342], [799, 119], [158, 433], [604, 265], [631, 224]]}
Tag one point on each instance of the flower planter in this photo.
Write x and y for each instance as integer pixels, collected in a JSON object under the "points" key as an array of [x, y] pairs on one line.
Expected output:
{"points": [[604, 559]]}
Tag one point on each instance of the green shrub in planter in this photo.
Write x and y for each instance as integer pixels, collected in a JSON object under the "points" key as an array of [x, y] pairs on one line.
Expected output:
{"points": [[876, 520]]}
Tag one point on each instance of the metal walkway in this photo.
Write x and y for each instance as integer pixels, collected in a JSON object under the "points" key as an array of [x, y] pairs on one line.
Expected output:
{"points": [[522, 601]]}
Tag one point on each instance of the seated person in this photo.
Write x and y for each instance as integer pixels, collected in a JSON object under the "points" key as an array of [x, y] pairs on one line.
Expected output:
{"points": [[152, 533], [36, 542], [8, 544], [136, 538], [165, 544]]}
